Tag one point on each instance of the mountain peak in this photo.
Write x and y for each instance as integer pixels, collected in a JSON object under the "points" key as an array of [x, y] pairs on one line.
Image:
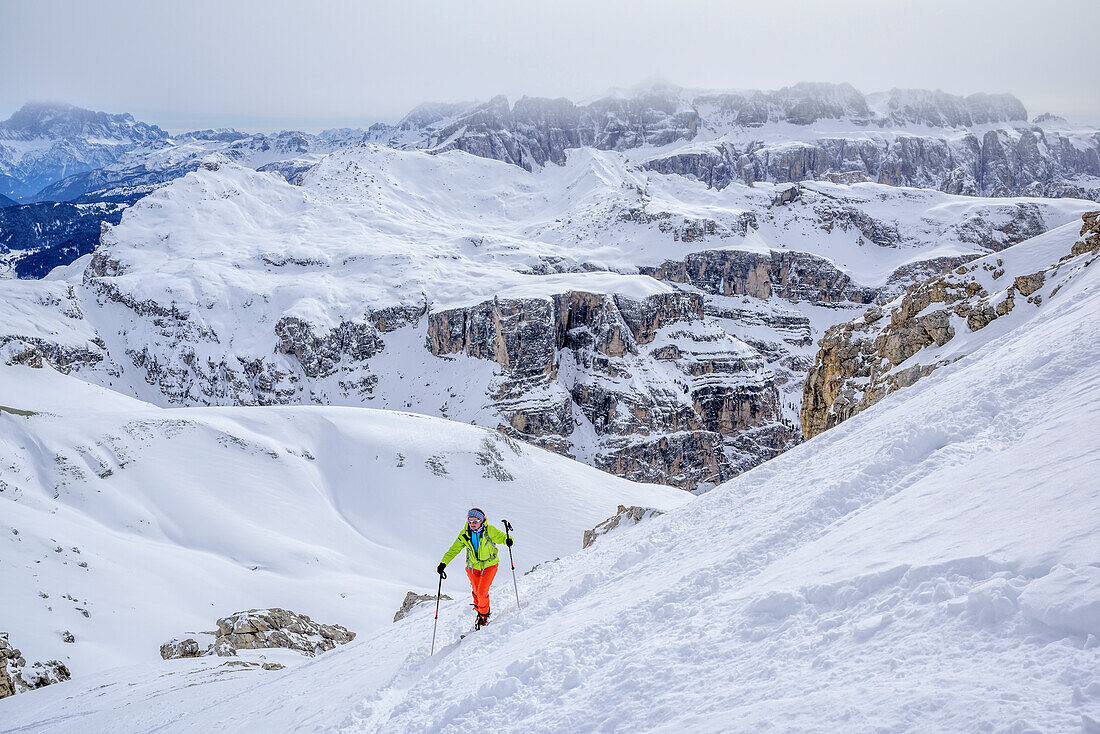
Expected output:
{"points": [[55, 120]]}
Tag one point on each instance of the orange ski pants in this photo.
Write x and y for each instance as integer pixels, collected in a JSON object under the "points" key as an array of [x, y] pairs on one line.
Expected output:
{"points": [[480, 581]]}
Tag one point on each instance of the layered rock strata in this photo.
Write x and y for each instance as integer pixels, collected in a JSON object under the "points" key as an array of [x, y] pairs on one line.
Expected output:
{"points": [[862, 361], [1024, 161], [792, 276], [667, 392]]}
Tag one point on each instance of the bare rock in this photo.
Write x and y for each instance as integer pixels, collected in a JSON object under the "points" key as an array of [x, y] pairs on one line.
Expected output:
{"points": [[262, 628], [623, 517], [675, 426], [187, 648], [794, 276], [858, 362], [1028, 284], [41, 674], [412, 599], [17, 677], [10, 658], [1090, 235]]}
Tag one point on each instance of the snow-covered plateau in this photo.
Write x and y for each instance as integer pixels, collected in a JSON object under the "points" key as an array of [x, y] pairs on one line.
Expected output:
{"points": [[929, 564]]}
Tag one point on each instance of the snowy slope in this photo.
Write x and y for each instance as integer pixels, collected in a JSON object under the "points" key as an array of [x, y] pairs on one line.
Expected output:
{"points": [[930, 564], [183, 516]]}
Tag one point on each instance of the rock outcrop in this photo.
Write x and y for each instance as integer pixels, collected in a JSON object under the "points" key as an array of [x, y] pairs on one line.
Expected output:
{"points": [[861, 361], [793, 276], [413, 600], [623, 517], [17, 677], [261, 628], [538, 131]]}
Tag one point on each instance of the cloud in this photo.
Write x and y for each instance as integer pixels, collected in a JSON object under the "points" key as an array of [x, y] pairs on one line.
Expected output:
{"points": [[214, 63]]}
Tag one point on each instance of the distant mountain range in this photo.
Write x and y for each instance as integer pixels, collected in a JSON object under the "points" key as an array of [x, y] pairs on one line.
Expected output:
{"points": [[976, 145]]}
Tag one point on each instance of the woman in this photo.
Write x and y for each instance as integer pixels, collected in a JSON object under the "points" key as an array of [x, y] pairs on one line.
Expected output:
{"points": [[480, 539]]}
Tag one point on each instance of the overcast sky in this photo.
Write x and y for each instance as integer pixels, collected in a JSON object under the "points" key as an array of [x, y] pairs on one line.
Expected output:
{"points": [[268, 65]]}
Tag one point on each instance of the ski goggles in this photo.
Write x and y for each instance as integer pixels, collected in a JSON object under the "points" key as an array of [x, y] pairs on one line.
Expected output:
{"points": [[474, 520]]}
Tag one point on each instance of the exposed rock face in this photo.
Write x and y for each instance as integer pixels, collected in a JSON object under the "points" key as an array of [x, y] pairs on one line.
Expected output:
{"points": [[794, 276], [262, 628], [69, 139], [1007, 162], [16, 677], [538, 131], [319, 355], [623, 517], [412, 600], [35, 352], [940, 109], [1016, 159], [259, 628], [9, 656], [1026, 222], [588, 357], [858, 362], [1090, 235]]}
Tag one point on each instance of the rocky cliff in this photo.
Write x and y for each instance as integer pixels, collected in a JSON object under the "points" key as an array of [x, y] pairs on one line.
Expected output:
{"points": [[1019, 161], [935, 323], [669, 395], [943, 152], [792, 276], [64, 140]]}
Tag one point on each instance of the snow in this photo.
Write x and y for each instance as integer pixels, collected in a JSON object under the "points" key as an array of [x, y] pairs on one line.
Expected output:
{"points": [[183, 516], [392, 227], [929, 564]]}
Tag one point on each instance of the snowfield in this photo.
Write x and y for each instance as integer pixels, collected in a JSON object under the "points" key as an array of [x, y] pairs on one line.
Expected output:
{"points": [[157, 522], [931, 564]]}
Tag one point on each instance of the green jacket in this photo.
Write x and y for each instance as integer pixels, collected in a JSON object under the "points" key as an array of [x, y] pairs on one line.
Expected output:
{"points": [[485, 555]]}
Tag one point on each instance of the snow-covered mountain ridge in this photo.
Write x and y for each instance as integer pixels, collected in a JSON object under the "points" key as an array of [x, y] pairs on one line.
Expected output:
{"points": [[929, 563], [41, 143], [58, 152], [977, 145], [98, 164], [644, 323], [125, 524]]}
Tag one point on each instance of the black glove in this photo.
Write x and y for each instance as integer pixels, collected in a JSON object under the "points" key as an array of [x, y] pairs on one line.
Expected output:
{"points": [[508, 541], [440, 567]]}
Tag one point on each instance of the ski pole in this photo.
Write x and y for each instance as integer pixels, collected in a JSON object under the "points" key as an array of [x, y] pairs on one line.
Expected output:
{"points": [[507, 534], [438, 593]]}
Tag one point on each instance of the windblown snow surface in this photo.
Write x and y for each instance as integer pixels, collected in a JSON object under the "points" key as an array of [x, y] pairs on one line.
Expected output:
{"points": [[932, 564]]}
